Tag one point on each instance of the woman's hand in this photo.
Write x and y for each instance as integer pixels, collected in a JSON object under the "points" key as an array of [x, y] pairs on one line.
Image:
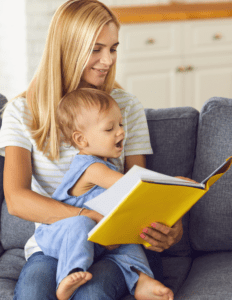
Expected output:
{"points": [[162, 237]]}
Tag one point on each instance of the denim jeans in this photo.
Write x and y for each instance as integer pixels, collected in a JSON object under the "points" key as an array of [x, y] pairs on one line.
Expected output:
{"points": [[37, 281]]}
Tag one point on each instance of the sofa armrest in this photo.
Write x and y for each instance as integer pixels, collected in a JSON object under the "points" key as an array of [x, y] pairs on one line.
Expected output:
{"points": [[1, 250], [3, 101]]}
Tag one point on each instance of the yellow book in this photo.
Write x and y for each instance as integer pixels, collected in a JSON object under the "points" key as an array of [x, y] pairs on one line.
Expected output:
{"points": [[142, 197]]}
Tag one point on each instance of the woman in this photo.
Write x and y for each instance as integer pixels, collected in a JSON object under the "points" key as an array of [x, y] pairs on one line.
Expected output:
{"points": [[80, 51]]}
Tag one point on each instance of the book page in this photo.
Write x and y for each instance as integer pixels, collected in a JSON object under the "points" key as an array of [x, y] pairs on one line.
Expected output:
{"points": [[151, 176]]}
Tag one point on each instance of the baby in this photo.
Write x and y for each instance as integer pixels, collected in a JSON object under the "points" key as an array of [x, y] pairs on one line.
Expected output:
{"points": [[91, 121]]}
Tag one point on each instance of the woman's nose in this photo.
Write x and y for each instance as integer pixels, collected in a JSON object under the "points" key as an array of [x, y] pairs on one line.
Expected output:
{"points": [[106, 59]]}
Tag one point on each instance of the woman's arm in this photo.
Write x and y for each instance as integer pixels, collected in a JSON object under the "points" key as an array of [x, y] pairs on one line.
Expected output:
{"points": [[160, 237], [26, 204], [130, 161]]}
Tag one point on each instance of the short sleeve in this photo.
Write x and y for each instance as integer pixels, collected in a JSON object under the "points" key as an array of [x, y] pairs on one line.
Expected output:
{"points": [[138, 139], [15, 126]]}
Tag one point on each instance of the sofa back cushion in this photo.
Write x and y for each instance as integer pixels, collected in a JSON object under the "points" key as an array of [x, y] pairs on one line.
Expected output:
{"points": [[14, 231], [173, 133], [210, 218]]}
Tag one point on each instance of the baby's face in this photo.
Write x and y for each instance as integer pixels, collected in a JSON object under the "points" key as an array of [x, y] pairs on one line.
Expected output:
{"points": [[104, 132]]}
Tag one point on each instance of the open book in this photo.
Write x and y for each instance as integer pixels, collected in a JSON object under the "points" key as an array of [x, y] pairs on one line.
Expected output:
{"points": [[142, 197]]}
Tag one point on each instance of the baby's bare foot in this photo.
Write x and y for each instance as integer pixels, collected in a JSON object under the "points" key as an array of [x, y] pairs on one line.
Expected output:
{"points": [[148, 288], [70, 283]]}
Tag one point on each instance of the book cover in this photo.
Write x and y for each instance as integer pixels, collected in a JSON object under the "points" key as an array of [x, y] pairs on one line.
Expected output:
{"points": [[142, 197]]}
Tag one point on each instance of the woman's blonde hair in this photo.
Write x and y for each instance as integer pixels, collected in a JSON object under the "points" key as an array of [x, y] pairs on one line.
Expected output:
{"points": [[72, 109], [71, 38]]}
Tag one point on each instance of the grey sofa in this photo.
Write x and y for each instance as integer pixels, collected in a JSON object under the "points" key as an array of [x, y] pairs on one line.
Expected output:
{"points": [[186, 143]]}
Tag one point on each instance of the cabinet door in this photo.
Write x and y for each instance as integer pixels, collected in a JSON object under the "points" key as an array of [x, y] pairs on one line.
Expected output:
{"points": [[139, 41], [208, 36], [156, 83], [208, 76]]}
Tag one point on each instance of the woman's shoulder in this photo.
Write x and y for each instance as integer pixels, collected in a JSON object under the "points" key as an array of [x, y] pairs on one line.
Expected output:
{"points": [[122, 94], [19, 104], [17, 112], [124, 98]]}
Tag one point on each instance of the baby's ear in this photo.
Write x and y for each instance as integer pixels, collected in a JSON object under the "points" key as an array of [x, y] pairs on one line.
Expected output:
{"points": [[79, 139]]}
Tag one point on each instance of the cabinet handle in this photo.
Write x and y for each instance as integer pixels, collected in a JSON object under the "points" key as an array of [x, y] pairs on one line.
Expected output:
{"points": [[180, 69], [217, 36], [150, 41], [189, 68]]}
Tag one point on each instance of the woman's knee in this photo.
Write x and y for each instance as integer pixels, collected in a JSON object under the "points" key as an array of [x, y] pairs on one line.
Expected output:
{"points": [[37, 279]]}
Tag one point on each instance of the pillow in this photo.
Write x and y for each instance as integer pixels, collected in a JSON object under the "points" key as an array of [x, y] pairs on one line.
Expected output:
{"points": [[173, 133], [210, 217]]}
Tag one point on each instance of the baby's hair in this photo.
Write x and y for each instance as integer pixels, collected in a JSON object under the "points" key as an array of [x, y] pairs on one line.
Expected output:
{"points": [[70, 111]]}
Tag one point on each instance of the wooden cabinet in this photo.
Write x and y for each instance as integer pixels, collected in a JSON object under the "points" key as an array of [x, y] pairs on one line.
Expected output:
{"points": [[176, 63]]}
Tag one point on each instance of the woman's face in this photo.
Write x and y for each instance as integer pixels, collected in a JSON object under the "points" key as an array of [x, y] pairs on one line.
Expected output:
{"points": [[103, 57]]}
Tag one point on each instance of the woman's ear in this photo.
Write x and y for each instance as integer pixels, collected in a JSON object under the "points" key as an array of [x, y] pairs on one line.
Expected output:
{"points": [[79, 139]]}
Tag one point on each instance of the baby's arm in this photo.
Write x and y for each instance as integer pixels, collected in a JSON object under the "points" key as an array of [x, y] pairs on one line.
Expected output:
{"points": [[99, 174]]}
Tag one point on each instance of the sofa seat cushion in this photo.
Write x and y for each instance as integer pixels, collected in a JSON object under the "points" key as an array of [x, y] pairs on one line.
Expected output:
{"points": [[209, 278], [210, 224], [175, 271], [11, 263]]}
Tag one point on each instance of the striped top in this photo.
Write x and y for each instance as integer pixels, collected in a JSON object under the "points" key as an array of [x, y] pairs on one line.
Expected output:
{"points": [[47, 174]]}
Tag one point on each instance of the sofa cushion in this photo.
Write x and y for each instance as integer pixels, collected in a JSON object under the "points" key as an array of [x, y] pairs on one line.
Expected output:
{"points": [[209, 278], [210, 218], [173, 133], [14, 231], [11, 263]]}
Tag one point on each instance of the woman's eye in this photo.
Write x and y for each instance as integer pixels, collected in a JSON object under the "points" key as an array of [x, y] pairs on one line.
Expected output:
{"points": [[113, 50], [96, 50], [121, 125], [109, 129]]}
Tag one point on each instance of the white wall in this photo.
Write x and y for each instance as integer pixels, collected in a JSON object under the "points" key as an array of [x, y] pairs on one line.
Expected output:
{"points": [[13, 55], [39, 14], [23, 30]]}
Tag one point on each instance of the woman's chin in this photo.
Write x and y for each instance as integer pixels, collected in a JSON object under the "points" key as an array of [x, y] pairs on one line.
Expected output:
{"points": [[84, 84]]}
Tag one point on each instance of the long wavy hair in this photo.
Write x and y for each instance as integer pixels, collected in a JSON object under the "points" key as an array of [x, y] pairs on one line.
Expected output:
{"points": [[72, 34]]}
